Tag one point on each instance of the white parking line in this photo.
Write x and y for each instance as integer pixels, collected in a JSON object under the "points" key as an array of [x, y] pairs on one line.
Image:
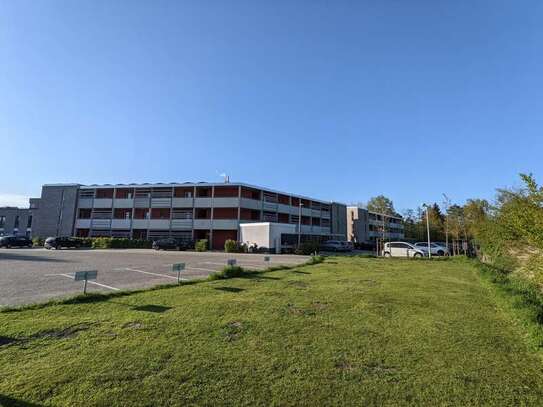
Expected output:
{"points": [[150, 273], [194, 268], [89, 281]]}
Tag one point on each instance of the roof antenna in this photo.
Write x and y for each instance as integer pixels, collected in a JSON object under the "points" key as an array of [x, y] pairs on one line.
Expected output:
{"points": [[226, 178]]}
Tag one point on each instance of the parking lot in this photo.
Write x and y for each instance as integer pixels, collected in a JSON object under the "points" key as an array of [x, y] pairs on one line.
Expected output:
{"points": [[37, 275]]}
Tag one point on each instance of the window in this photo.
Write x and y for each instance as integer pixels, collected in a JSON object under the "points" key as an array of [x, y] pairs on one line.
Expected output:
{"points": [[203, 213], [225, 213], [122, 213], [141, 213], [2, 221], [29, 222], [185, 192], [84, 213], [124, 193], [160, 213], [104, 193], [16, 223], [203, 192], [226, 192]]}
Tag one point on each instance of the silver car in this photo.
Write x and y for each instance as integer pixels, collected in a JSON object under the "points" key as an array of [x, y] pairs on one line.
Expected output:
{"points": [[401, 249], [436, 248]]}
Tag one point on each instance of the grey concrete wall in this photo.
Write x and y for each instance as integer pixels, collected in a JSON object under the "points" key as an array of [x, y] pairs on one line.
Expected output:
{"points": [[56, 213], [10, 214], [338, 220], [357, 224]]}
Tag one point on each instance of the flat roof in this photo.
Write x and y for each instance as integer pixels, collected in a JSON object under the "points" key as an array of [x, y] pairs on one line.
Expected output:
{"points": [[192, 184]]}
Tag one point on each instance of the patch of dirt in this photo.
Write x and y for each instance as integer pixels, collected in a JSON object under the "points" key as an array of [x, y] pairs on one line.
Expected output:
{"points": [[344, 365], [61, 333], [233, 330], [314, 308], [133, 325], [297, 284]]}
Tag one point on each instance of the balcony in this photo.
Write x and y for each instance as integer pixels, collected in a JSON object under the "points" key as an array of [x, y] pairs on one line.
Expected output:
{"points": [[123, 203], [159, 224], [251, 204], [121, 223], [202, 223], [181, 224], [161, 202], [225, 224], [203, 202], [183, 202], [103, 203], [225, 202], [85, 203], [83, 223], [101, 223]]}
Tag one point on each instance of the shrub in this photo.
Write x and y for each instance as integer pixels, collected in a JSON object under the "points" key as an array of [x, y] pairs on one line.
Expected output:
{"points": [[228, 272], [307, 248], [231, 246], [119, 243], [38, 241], [201, 245]]}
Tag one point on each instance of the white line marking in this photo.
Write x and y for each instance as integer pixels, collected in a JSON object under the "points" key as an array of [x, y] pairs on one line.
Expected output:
{"points": [[150, 273], [89, 281], [203, 269], [154, 274]]}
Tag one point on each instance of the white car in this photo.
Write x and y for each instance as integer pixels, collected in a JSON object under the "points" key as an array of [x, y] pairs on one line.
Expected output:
{"points": [[402, 249], [436, 249]]}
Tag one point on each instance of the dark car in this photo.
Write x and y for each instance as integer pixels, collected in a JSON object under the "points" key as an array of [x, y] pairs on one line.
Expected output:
{"points": [[15, 241], [60, 242], [172, 243]]}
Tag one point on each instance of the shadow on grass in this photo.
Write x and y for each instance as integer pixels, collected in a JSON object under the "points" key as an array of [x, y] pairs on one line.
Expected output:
{"points": [[158, 309], [230, 289], [300, 272], [9, 401]]}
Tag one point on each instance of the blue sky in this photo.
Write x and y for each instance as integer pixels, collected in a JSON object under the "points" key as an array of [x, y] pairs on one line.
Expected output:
{"points": [[340, 100]]}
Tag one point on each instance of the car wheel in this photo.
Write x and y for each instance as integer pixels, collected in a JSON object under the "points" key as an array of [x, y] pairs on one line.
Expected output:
{"points": [[440, 253], [417, 255], [387, 254]]}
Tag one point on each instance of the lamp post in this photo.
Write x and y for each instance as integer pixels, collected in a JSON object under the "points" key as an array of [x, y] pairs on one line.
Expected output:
{"points": [[447, 203], [428, 230], [300, 222]]}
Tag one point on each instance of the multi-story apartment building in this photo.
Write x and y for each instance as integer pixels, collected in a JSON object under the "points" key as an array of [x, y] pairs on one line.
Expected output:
{"points": [[364, 226], [15, 221], [210, 211]]}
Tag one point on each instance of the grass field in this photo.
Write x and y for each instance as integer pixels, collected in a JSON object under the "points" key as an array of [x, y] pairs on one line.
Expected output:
{"points": [[349, 331]]}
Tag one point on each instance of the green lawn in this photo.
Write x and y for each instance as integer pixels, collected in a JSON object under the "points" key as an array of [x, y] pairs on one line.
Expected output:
{"points": [[349, 331]]}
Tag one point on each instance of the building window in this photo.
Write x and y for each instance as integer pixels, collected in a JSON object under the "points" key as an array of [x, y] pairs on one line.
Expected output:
{"points": [[85, 213], [122, 213], [203, 213], [29, 222], [160, 213], [203, 192], [104, 193], [141, 213], [225, 213], [16, 223], [2, 221], [124, 193]]}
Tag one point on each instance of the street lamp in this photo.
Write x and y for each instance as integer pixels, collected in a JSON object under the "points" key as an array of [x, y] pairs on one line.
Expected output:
{"points": [[428, 230], [300, 222], [447, 204]]}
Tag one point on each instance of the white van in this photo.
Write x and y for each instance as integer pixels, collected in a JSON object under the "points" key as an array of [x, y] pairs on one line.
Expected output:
{"points": [[401, 249]]}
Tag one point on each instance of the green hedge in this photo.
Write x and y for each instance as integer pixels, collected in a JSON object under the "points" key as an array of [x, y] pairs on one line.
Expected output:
{"points": [[201, 245], [120, 243]]}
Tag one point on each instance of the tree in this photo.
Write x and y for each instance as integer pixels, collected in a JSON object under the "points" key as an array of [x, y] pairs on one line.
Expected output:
{"points": [[381, 204]]}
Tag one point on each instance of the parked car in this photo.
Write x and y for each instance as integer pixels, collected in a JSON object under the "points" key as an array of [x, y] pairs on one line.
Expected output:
{"points": [[172, 243], [61, 242], [402, 249], [336, 246], [15, 241], [436, 248]]}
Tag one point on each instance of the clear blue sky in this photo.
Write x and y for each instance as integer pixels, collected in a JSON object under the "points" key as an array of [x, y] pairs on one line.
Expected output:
{"points": [[338, 100]]}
